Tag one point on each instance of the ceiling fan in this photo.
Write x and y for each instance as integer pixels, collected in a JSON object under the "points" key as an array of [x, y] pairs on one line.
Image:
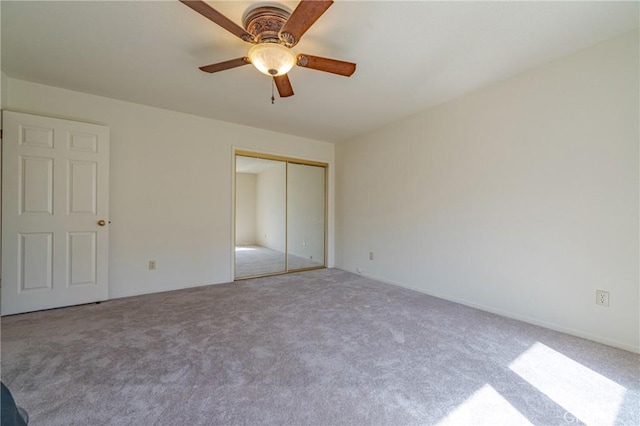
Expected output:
{"points": [[274, 31]]}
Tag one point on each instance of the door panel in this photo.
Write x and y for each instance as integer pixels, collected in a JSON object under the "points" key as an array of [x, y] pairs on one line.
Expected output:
{"points": [[54, 192], [83, 187], [82, 257], [35, 261], [82, 142], [36, 185], [37, 137]]}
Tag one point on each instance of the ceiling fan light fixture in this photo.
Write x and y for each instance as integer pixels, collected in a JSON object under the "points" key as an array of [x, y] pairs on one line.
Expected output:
{"points": [[272, 59]]}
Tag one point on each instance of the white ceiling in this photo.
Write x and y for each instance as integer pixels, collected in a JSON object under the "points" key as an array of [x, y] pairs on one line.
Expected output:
{"points": [[410, 55]]}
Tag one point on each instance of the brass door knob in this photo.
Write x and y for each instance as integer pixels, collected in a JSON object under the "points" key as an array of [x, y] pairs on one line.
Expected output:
{"points": [[102, 222]]}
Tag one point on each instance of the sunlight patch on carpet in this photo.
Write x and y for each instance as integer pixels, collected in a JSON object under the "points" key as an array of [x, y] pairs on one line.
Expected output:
{"points": [[485, 407], [585, 394]]}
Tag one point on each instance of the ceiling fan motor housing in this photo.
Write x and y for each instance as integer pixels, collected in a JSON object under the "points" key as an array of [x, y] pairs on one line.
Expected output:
{"points": [[265, 22]]}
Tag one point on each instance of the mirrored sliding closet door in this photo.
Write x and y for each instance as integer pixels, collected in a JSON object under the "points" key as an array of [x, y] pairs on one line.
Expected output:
{"points": [[280, 215], [305, 216]]}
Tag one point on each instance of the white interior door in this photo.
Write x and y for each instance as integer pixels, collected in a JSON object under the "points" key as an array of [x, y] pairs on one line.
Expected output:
{"points": [[55, 195]]}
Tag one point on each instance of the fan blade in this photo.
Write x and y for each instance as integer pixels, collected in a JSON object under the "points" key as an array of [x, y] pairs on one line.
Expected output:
{"points": [[306, 13], [325, 64], [284, 86], [208, 12], [226, 65]]}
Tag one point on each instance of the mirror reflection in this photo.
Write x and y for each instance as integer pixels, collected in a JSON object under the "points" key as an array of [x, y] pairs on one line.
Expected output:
{"points": [[280, 215], [305, 216], [260, 217]]}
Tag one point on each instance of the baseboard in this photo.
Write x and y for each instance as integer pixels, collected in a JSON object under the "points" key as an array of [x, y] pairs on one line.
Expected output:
{"points": [[164, 289], [508, 314]]}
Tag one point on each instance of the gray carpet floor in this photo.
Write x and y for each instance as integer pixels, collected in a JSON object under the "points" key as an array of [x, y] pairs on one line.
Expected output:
{"points": [[323, 347], [257, 260]]}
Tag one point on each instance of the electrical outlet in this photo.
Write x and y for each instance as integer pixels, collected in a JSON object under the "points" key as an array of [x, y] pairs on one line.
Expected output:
{"points": [[602, 297], [152, 265], [370, 255]]}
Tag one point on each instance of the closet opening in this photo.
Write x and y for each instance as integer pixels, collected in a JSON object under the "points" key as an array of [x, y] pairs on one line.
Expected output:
{"points": [[280, 215]]}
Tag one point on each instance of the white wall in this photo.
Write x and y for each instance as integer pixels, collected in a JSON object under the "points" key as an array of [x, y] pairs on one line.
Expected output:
{"points": [[271, 215], [245, 208], [521, 198], [171, 185]]}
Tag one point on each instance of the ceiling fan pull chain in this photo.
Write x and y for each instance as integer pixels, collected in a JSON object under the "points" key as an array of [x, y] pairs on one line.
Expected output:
{"points": [[273, 85]]}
